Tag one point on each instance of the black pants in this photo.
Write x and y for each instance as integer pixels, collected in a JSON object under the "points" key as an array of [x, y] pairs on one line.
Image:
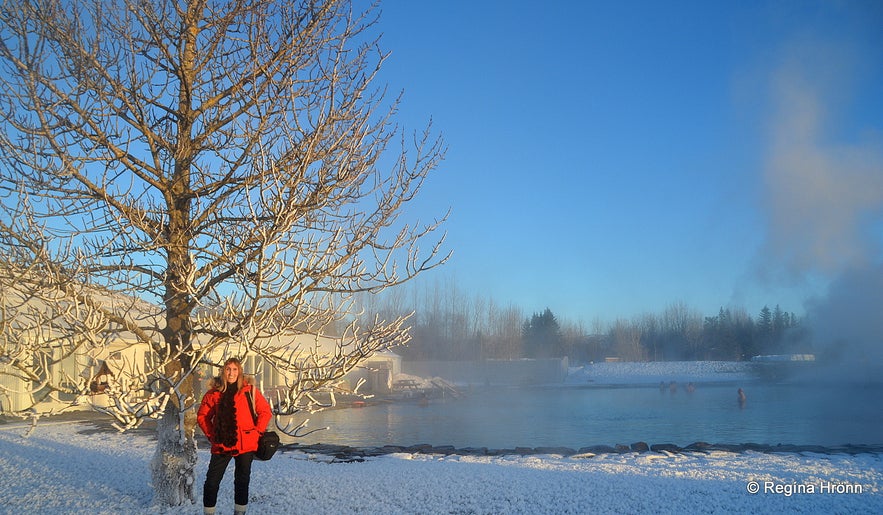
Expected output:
{"points": [[241, 478]]}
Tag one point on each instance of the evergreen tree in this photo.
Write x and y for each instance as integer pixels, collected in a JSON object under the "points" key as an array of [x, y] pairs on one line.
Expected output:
{"points": [[542, 336], [780, 321], [765, 322], [764, 330]]}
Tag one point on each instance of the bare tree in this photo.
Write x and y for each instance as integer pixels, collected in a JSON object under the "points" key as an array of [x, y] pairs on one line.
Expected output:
{"points": [[651, 335], [626, 338], [231, 163]]}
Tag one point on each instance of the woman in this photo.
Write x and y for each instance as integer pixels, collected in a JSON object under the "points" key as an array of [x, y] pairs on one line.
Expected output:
{"points": [[225, 418]]}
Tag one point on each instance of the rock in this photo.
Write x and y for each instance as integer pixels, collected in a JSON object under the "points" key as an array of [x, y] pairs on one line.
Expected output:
{"points": [[799, 448], [854, 449], [373, 451], [472, 451], [564, 451], [817, 449], [725, 447], [597, 449], [757, 447], [640, 447], [665, 447], [348, 458], [335, 453], [501, 452]]}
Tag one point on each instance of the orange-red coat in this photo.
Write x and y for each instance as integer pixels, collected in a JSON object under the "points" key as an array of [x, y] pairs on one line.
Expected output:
{"points": [[248, 431]]}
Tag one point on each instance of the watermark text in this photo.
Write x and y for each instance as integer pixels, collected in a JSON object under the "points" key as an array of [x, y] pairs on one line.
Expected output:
{"points": [[808, 488]]}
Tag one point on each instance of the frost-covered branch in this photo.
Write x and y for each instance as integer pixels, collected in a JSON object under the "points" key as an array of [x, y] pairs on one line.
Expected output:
{"points": [[179, 181]]}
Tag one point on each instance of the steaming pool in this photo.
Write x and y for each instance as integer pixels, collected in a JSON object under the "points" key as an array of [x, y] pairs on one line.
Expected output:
{"points": [[577, 417]]}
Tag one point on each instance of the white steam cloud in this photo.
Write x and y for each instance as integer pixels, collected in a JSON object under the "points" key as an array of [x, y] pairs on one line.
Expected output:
{"points": [[824, 200]]}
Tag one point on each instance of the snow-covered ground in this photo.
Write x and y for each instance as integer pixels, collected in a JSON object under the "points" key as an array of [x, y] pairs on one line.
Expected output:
{"points": [[69, 467], [660, 371]]}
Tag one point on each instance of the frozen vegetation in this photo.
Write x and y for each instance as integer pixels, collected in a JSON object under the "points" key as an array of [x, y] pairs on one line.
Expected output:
{"points": [[72, 466]]}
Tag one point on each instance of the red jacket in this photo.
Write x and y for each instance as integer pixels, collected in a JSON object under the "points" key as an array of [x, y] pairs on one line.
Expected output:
{"points": [[248, 431]]}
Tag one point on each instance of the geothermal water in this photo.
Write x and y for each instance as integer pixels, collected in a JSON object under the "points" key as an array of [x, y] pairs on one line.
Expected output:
{"points": [[498, 418]]}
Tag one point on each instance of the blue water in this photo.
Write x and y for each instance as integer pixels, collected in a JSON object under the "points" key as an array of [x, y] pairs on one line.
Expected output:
{"points": [[577, 417]]}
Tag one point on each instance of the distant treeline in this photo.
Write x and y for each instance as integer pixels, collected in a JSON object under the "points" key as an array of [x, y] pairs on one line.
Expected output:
{"points": [[450, 326]]}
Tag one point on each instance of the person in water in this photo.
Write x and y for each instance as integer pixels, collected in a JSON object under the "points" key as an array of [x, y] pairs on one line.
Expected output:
{"points": [[225, 417], [742, 397]]}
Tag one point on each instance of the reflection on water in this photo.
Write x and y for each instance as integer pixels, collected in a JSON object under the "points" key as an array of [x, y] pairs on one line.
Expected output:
{"points": [[578, 417]]}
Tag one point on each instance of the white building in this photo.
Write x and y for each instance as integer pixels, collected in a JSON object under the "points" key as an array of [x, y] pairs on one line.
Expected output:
{"points": [[88, 367]]}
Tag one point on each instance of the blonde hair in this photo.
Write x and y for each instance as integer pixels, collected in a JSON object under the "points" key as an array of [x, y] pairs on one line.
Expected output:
{"points": [[240, 381]]}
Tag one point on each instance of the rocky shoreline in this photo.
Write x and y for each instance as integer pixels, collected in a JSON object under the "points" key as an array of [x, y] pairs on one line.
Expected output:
{"points": [[346, 453], [100, 423]]}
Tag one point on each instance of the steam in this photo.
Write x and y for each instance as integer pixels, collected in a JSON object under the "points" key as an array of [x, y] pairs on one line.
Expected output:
{"points": [[824, 199], [849, 318]]}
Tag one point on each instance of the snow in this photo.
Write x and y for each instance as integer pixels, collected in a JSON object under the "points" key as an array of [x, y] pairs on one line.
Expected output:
{"points": [[77, 466], [654, 372]]}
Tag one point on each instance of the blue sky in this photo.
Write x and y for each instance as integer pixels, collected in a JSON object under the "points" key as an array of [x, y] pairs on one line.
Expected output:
{"points": [[609, 158]]}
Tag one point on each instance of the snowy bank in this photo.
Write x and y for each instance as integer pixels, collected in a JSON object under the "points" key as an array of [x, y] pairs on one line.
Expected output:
{"points": [[75, 467], [654, 372]]}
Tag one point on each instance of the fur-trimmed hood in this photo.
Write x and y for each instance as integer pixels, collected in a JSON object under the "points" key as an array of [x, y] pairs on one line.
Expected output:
{"points": [[216, 381]]}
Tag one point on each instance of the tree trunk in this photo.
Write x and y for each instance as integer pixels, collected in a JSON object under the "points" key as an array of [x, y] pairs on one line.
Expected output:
{"points": [[174, 465], [173, 468]]}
